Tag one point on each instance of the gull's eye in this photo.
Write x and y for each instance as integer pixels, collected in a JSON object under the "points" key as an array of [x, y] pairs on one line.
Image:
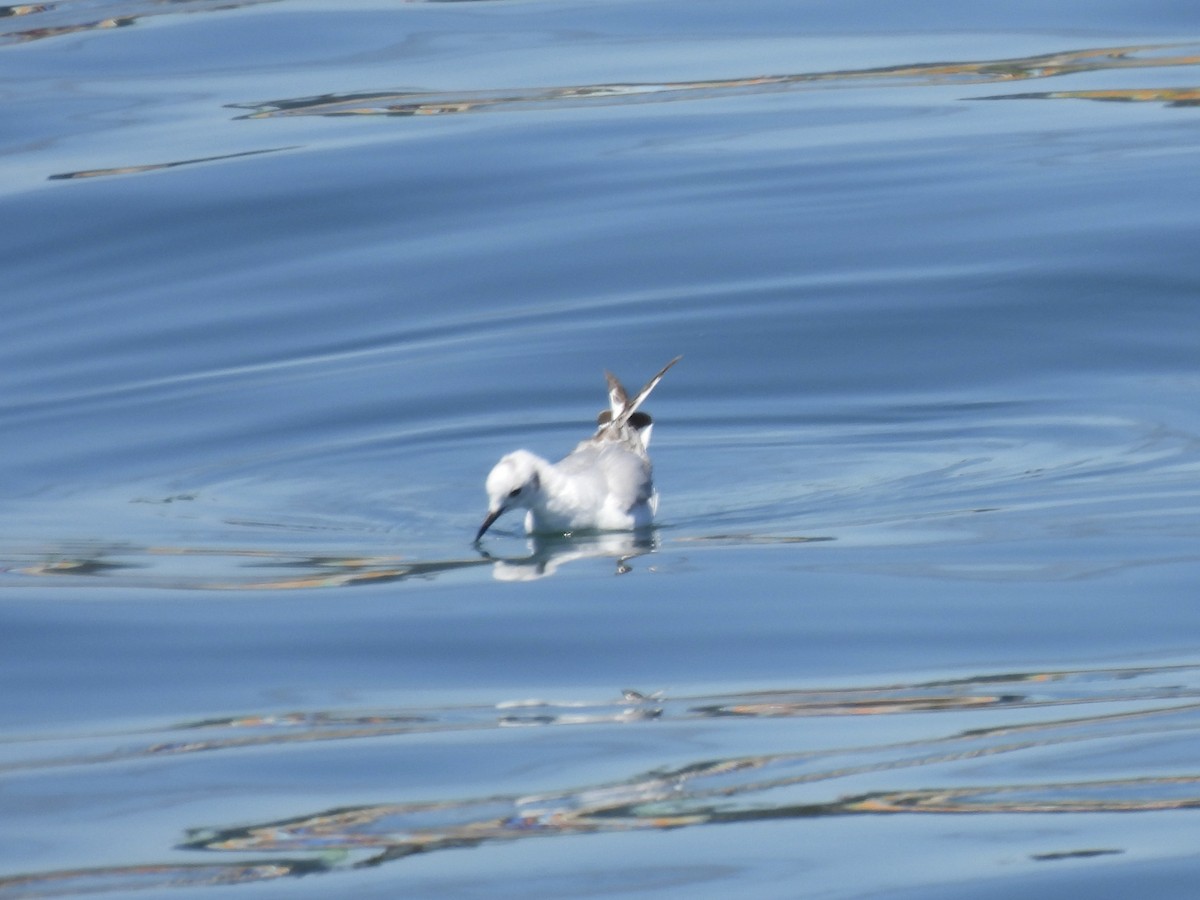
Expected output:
{"points": [[514, 492]]}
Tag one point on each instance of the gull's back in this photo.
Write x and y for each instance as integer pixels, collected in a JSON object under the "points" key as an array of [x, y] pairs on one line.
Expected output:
{"points": [[611, 477], [607, 480]]}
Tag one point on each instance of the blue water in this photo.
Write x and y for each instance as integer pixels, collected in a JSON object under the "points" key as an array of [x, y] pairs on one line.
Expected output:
{"points": [[282, 280]]}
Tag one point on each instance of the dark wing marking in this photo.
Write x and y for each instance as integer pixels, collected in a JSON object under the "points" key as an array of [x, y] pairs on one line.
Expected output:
{"points": [[622, 408]]}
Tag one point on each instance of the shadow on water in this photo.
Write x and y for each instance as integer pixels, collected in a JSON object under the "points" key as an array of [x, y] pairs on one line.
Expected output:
{"points": [[1161, 702]]}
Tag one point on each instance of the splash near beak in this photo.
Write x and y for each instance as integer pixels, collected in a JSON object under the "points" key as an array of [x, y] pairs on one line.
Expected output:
{"points": [[487, 523]]}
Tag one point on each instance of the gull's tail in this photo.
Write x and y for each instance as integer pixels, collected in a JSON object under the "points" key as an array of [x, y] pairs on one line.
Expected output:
{"points": [[623, 412]]}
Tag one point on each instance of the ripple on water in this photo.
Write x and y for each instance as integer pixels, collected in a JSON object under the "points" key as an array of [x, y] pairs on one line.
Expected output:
{"points": [[979, 745]]}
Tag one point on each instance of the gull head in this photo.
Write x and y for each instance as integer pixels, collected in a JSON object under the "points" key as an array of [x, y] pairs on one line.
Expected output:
{"points": [[513, 483]]}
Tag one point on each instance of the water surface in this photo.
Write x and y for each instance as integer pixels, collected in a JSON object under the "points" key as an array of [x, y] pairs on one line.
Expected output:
{"points": [[284, 279]]}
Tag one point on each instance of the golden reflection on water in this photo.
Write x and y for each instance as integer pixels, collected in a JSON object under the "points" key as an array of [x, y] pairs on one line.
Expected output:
{"points": [[153, 167], [33, 34], [58, 19], [426, 103], [247, 570], [51, 20], [1177, 97], [269, 570], [1146, 703], [431, 103], [24, 9]]}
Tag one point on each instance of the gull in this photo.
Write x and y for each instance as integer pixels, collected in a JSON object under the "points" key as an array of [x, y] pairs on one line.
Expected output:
{"points": [[604, 484]]}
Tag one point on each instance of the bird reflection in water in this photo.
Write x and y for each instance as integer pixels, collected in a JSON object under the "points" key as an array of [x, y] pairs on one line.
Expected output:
{"points": [[548, 553]]}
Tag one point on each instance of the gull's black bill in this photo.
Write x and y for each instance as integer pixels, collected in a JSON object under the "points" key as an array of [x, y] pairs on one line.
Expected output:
{"points": [[487, 523]]}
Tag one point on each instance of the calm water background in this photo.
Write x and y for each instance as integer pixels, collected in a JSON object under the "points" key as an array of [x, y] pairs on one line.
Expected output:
{"points": [[281, 281]]}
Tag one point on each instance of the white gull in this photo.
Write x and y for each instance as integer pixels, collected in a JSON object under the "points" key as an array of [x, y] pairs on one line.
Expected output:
{"points": [[604, 484]]}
